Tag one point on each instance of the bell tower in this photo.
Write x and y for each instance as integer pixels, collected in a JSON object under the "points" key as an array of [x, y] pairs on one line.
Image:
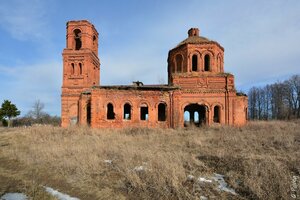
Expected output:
{"points": [[81, 67]]}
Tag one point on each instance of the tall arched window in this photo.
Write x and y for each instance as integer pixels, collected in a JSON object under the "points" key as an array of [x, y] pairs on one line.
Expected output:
{"points": [[88, 113], [72, 68], [80, 68], [217, 114], [194, 63], [77, 37], [206, 62], [110, 111], [161, 112], [179, 62], [219, 62], [144, 112], [127, 111]]}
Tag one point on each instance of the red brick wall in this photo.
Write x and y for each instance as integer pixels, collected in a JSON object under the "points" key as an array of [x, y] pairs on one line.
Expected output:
{"points": [[100, 98]]}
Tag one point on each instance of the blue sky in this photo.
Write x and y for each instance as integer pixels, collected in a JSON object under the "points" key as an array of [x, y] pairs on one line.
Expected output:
{"points": [[261, 41]]}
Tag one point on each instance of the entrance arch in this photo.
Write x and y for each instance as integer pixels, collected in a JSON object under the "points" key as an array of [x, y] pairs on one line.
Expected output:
{"points": [[197, 115]]}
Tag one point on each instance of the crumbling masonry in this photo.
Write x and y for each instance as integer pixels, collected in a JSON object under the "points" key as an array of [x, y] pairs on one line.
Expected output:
{"points": [[198, 92]]}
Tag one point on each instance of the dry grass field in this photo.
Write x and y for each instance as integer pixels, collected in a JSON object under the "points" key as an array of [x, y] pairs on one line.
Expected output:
{"points": [[258, 161]]}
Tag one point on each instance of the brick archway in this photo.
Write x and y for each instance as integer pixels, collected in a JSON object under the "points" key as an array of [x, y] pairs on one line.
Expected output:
{"points": [[198, 115]]}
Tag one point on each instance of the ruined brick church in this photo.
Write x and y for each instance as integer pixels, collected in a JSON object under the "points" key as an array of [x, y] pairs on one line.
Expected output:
{"points": [[198, 92]]}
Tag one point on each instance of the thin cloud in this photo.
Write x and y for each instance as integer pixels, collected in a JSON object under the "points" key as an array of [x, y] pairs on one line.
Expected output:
{"points": [[26, 84], [23, 19]]}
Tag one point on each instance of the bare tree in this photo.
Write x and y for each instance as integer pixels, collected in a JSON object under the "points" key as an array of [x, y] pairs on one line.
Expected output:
{"points": [[252, 97], [294, 85], [37, 111]]}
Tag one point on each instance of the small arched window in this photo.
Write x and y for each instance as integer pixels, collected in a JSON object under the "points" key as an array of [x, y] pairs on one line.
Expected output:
{"points": [[206, 62], [161, 112], [94, 40], [179, 62], [127, 111], [80, 68], [194, 63], [187, 116], [110, 111], [217, 114], [77, 37], [72, 68]]}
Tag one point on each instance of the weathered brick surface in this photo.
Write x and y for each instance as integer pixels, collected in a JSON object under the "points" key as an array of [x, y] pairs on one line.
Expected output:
{"points": [[197, 84]]}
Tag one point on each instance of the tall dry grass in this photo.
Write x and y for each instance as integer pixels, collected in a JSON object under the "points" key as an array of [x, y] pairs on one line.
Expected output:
{"points": [[258, 160]]}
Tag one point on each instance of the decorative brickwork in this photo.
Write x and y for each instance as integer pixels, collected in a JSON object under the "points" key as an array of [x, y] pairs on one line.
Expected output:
{"points": [[198, 92]]}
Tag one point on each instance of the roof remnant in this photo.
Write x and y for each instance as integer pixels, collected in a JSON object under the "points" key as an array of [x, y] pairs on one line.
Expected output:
{"points": [[141, 87]]}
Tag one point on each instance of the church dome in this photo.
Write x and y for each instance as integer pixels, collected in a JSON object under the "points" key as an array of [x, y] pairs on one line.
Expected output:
{"points": [[194, 38]]}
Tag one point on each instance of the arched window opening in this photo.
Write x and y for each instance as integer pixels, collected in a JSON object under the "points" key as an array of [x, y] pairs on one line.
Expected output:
{"points": [[161, 112], [88, 113], [194, 63], [110, 111], [80, 68], [77, 38], [217, 114], [196, 117], [127, 111], [72, 68], [179, 63], [219, 61], [206, 62], [144, 112]]}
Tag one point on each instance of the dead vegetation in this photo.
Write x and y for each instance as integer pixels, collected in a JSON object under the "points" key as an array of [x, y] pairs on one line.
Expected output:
{"points": [[258, 161]]}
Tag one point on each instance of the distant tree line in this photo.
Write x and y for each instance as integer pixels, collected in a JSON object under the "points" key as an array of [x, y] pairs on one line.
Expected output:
{"points": [[37, 115], [280, 100]]}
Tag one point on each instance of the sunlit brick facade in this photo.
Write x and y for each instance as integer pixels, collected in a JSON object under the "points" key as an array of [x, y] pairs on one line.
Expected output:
{"points": [[198, 92]]}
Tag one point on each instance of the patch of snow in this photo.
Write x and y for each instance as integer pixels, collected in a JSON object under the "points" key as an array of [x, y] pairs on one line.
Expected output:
{"points": [[222, 183], [13, 196], [108, 161], [203, 198], [190, 177], [59, 195], [202, 179], [139, 168]]}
